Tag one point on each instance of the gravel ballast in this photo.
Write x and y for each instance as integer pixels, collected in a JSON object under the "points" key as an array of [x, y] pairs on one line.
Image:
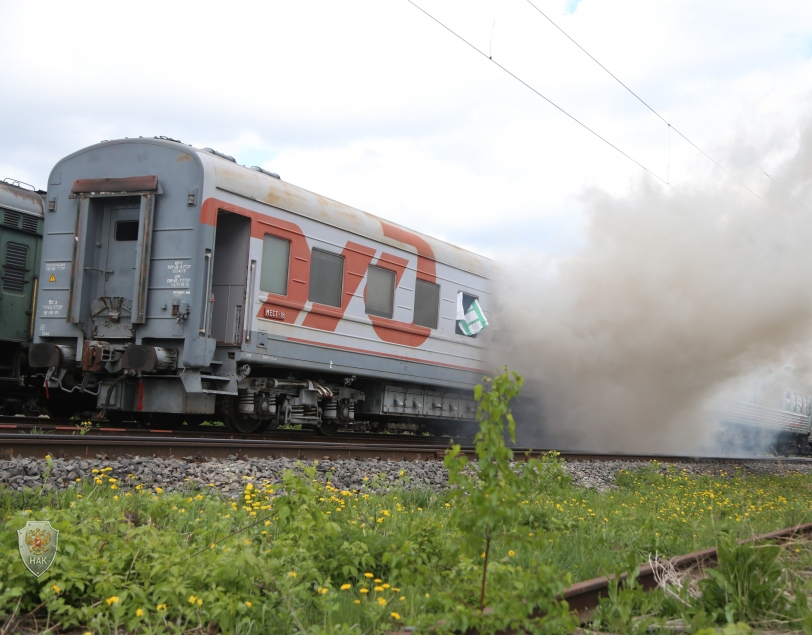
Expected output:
{"points": [[230, 476]]}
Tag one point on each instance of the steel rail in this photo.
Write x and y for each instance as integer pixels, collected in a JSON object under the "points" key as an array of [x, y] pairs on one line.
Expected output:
{"points": [[359, 446], [584, 597], [66, 427], [199, 448]]}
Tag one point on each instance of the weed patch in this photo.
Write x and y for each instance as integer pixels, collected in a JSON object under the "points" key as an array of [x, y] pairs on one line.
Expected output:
{"points": [[305, 556]]}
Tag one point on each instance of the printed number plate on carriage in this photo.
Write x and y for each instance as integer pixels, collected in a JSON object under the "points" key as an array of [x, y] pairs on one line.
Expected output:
{"points": [[274, 314]]}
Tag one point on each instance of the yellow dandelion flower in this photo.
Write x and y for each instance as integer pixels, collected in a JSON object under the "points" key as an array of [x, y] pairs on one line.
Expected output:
{"points": [[395, 615], [139, 612], [346, 587], [55, 588], [292, 574], [364, 590], [113, 599], [378, 589], [368, 575], [356, 601], [248, 604], [160, 607], [511, 553], [192, 599], [199, 601], [382, 601], [377, 580]]}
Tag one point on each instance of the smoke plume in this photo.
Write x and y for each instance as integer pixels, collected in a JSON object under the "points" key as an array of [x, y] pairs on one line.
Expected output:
{"points": [[672, 297]]}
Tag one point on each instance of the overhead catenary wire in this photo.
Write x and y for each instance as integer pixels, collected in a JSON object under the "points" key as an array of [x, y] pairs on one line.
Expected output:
{"points": [[790, 193], [549, 101], [642, 101]]}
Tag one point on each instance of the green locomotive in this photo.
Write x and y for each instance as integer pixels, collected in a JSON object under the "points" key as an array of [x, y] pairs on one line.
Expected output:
{"points": [[21, 225]]}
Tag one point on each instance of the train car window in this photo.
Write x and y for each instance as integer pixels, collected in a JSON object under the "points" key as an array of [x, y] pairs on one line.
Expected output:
{"points": [[126, 230], [273, 275], [380, 294], [14, 268], [326, 278], [467, 301], [426, 303]]}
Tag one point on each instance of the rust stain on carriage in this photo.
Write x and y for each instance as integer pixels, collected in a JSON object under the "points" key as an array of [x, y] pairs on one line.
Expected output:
{"points": [[27, 197], [183, 157], [126, 184]]}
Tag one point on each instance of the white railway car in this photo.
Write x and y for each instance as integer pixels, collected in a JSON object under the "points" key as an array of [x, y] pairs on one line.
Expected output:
{"points": [[176, 281], [767, 410]]}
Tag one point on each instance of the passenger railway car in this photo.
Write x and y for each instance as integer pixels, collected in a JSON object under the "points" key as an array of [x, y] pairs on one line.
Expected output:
{"points": [[177, 281], [21, 219], [767, 410]]}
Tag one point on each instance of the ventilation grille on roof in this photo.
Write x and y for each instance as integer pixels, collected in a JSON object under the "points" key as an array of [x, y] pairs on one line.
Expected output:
{"points": [[29, 224], [12, 219], [14, 268]]}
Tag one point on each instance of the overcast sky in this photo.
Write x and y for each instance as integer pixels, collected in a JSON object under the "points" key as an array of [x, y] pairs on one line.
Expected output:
{"points": [[375, 105]]}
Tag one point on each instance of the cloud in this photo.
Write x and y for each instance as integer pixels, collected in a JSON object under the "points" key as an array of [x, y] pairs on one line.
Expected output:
{"points": [[344, 99]]}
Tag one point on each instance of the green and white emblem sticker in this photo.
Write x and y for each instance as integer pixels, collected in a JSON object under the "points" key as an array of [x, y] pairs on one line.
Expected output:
{"points": [[472, 320], [37, 542]]}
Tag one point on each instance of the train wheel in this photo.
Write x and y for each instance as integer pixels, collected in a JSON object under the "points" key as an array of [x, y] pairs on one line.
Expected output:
{"points": [[241, 422], [328, 428]]}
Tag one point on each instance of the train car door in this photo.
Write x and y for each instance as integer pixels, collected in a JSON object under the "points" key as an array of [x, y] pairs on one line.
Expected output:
{"points": [[229, 275], [17, 253], [118, 247]]}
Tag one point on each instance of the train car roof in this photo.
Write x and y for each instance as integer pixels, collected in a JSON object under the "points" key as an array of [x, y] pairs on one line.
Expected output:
{"points": [[229, 176], [20, 199]]}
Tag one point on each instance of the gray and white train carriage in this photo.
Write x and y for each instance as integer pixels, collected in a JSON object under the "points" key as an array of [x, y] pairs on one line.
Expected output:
{"points": [[177, 281]]}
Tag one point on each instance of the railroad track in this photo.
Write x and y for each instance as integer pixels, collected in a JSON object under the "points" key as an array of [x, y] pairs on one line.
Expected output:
{"points": [[195, 446], [66, 427], [584, 597]]}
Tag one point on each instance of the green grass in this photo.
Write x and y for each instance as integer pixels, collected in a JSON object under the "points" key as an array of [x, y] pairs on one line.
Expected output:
{"points": [[278, 560]]}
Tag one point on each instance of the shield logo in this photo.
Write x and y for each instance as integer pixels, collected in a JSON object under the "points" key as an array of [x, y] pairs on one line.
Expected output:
{"points": [[37, 542]]}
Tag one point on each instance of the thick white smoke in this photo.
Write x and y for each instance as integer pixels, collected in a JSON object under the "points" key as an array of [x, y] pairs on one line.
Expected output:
{"points": [[671, 298]]}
